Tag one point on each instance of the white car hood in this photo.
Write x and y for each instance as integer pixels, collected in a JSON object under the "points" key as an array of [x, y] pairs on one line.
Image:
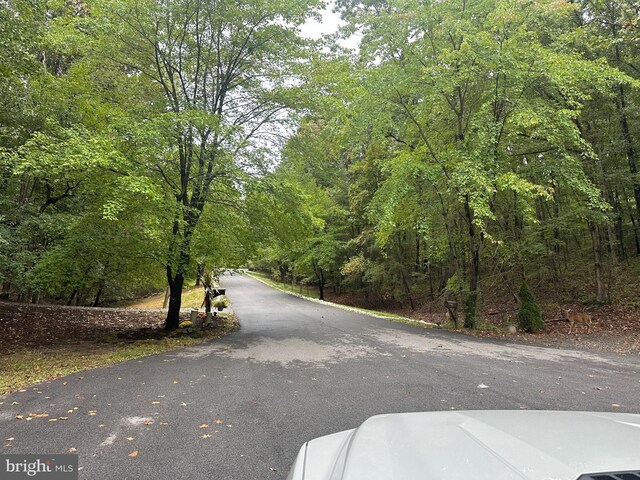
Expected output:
{"points": [[478, 445]]}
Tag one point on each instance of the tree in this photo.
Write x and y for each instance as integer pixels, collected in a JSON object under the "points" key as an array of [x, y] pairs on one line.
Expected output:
{"points": [[222, 70], [529, 316]]}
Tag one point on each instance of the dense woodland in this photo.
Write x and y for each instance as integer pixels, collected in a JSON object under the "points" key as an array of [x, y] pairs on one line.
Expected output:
{"points": [[467, 147]]}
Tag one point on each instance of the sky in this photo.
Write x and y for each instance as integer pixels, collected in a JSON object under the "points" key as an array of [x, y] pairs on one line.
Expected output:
{"points": [[329, 24]]}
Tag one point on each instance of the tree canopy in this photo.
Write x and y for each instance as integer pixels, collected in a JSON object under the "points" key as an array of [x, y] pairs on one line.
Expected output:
{"points": [[464, 143]]}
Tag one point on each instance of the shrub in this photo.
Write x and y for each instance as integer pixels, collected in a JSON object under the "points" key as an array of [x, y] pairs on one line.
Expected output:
{"points": [[220, 301], [529, 316]]}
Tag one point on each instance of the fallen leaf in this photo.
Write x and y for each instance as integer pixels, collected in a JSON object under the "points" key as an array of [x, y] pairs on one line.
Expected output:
{"points": [[148, 422], [229, 426], [615, 405], [206, 435], [53, 419], [101, 425], [72, 450], [183, 404], [163, 423], [69, 411], [130, 438], [175, 381], [19, 417], [15, 403], [10, 439], [64, 418], [155, 403], [92, 412], [134, 454], [204, 425], [272, 469], [38, 415], [218, 421]]}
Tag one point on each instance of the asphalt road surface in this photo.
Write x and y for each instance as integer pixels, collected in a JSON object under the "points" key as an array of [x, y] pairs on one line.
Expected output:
{"points": [[240, 408]]}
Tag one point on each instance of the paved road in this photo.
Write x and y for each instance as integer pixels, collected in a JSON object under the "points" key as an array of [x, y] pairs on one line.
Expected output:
{"points": [[294, 371]]}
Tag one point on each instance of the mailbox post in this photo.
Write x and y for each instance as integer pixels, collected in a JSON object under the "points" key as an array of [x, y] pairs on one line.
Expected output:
{"points": [[451, 306]]}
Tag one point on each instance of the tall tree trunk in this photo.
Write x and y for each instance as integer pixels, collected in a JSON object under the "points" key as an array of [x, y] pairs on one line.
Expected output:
{"points": [[619, 228], [417, 262], [602, 293], [320, 275], [474, 269], [633, 222], [176, 282], [626, 134]]}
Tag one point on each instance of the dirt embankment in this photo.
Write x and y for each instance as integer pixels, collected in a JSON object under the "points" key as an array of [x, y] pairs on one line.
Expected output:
{"points": [[48, 326]]}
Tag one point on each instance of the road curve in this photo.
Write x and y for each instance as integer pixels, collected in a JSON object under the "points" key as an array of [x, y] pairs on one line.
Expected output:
{"points": [[240, 408]]}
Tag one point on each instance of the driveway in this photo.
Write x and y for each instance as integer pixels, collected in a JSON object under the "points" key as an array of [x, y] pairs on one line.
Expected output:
{"points": [[241, 407]]}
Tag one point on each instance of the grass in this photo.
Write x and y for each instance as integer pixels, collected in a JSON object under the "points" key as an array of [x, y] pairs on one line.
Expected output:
{"points": [[305, 292], [28, 366], [191, 298]]}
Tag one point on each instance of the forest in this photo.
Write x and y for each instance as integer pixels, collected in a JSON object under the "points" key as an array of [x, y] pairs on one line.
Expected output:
{"points": [[465, 150]]}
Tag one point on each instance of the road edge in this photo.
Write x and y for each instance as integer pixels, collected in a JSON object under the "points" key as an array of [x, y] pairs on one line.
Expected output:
{"points": [[370, 313]]}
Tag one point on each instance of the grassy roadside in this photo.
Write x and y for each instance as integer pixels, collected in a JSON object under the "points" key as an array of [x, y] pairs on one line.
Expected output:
{"points": [[191, 298], [481, 328], [264, 278], [28, 366], [375, 313]]}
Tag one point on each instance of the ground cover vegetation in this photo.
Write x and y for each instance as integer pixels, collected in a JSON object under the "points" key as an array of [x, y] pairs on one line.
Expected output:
{"points": [[479, 152]]}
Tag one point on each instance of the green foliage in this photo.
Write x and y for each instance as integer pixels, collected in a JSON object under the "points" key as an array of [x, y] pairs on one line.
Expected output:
{"points": [[529, 316], [464, 145], [221, 301]]}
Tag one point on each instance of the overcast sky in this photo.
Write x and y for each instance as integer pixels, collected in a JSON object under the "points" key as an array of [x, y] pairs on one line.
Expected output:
{"points": [[329, 24]]}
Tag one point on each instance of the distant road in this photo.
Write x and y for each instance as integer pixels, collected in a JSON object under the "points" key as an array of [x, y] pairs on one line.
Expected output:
{"points": [[240, 408]]}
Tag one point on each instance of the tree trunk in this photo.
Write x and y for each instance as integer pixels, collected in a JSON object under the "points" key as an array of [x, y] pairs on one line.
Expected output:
{"points": [[321, 284], [199, 273], [166, 298], [73, 298], [626, 134], [6, 291], [175, 299], [633, 222], [474, 269], [602, 293], [96, 301]]}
